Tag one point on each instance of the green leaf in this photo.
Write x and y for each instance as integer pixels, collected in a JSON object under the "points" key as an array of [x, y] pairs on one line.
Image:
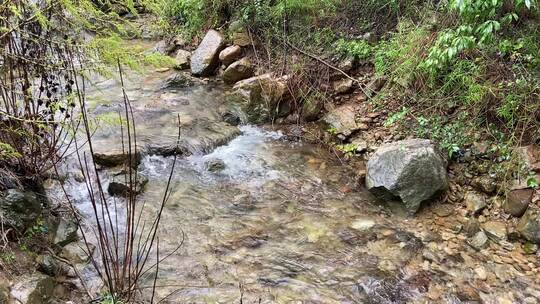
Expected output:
{"points": [[532, 183]]}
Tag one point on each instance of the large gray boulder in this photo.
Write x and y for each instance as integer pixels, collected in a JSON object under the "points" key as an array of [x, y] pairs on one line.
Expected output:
{"points": [[411, 171], [205, 59], [19, 209]]}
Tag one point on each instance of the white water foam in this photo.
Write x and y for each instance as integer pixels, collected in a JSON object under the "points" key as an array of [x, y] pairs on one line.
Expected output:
{"points": [[246, 159]]}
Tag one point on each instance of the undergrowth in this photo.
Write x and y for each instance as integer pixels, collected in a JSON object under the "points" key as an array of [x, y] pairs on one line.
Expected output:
{"points": [[458, 67]]}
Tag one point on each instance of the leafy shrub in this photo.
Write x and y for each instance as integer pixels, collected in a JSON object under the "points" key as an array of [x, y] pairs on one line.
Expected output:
{"points": [[400, 55], [359, 49], [480, 22]]}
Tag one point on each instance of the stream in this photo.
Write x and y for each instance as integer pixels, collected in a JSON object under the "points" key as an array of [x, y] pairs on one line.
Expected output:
{"points": [[276, 222]]}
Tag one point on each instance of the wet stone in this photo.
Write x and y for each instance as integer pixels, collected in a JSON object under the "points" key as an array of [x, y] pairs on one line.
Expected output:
{"points": [[443, 210], [215, 165], [178, 81], [113, 158], [120, 185]]}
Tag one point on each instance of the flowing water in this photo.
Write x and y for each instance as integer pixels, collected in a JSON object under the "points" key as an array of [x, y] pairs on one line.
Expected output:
{"points": [[276, 222]]}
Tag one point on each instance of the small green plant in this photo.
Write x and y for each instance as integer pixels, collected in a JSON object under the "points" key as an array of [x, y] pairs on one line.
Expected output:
{"points": [[532, 182], [40, 227], [108, 299], [396, 117], [480, 21], [33, 234], [332, 131], [349, 149], [7, 151], [451, 136], [7, 257], [359, 49]]}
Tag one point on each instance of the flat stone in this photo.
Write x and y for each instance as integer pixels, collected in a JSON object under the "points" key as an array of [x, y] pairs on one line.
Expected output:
{"points": [[443, 210], [475, 202], [116, 157], [478, 241], [481, 273], [362, 224], [495, 230]]}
